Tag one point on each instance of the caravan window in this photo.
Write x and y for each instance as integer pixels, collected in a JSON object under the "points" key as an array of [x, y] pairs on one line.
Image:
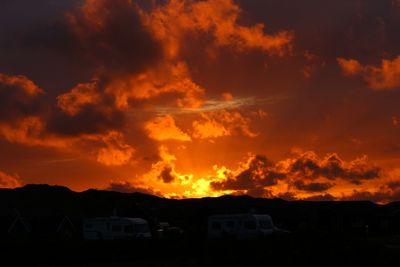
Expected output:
{"points": [[142, 228], [216, 225], [266, 224], [250, 225]]}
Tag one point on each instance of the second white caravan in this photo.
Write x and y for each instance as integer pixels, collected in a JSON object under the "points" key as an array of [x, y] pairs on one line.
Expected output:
{"points": [[240, 226]]}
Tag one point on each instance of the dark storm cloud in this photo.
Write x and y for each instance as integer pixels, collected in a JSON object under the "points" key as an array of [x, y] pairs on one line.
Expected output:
{"points": [[300, 171], [332, 167], [86, 109], [166, 175], [260, 173], [90, 120], [35, 41], [22, 100], [112, 37], [77, 40], [312, 187], [19, 98], [61, 43]]}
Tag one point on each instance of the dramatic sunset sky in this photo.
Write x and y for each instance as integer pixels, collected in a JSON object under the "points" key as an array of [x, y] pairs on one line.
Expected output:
{"points": [[187, 98]]}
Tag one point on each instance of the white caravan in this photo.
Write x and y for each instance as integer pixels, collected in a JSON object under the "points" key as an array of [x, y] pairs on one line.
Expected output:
{"points": [[115, 228], [240, 226]]}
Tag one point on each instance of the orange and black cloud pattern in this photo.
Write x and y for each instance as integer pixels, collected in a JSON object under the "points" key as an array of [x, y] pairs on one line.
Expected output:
{"points": [[195, 98]]}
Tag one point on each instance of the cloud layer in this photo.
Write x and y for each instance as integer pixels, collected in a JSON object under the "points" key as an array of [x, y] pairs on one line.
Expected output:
{"points": [[168, 97], [303, 171], [383, 77]]}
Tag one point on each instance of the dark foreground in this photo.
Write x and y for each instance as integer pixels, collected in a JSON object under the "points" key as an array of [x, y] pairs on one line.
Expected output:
{"points": [[279, 250], [41, 225]]}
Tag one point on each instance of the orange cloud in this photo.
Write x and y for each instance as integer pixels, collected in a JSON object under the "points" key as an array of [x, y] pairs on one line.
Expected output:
{"points": [[208, 128], [226, 96], [350, 66], [166, 179], [126, 58], [219, 18], [115, 151], [19, 97], [384, 77], [164, 128], [164, 171], [166, 78], [83, 94], [26, 119], [31, 131], [395, 121], [303, 175], [9, 181], [21, 82], [22, 112], [222, 123]]}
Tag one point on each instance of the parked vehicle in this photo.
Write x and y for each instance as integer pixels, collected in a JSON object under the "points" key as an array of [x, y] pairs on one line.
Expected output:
{"points": [[165, 231], [240, 226], [115, 228]]}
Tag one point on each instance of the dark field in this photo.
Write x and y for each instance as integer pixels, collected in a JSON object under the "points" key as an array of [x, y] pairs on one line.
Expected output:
{"points": [[278, 250]]}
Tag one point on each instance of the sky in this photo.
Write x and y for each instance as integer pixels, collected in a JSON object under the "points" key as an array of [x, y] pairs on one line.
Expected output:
{"points": [[296, 100]]}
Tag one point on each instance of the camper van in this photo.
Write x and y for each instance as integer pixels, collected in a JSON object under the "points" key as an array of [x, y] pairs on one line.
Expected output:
{"points": [[240, 226], [115, 228]]}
